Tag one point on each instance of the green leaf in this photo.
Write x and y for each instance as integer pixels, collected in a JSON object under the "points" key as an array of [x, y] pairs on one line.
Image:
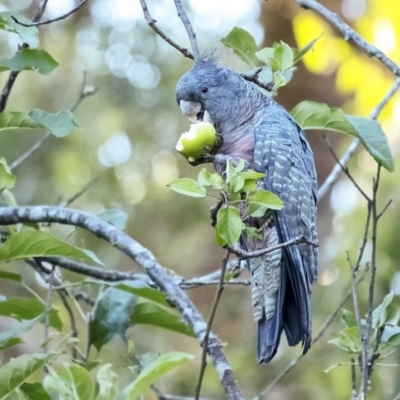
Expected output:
{"points": [[18, 370], [254, 232], [142, 290], [348, 340], [30, 60], [154, 371], [188, 187], [108, 383], [152, 314], [240, 166], [114, 217], [243, 44], [265, 55], [279, 79], [28, 35], [229, 172], [111, 316], [204, 178], [10, 276], [252, 175], [312, 115], [262, 200], [394, 340], [217, 181], [73, 382], [21, 308], [374, 140], [78, 379], [20, 328], [236, 184], [284, 53], [249, 185], [60, 124], [348, 318], [34, 391], [392, 315], [28, 244], [7, 179], [379, 315], [229, 225], [299, 54], [13, 341]]}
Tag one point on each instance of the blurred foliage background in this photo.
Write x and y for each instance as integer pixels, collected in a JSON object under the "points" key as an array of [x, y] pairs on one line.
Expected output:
{"points": [[129, 129]]}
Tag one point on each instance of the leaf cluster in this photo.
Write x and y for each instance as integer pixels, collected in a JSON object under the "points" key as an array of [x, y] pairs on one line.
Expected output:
{"points": [[385, 333], [240, 199]]}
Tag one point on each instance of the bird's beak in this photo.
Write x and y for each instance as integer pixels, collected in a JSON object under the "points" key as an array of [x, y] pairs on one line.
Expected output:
{"points": [[191, 109], [195, 112]]}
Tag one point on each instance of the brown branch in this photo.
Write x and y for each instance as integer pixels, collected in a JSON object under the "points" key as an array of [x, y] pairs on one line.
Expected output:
{"points": [[345, 169], [152, 23], [254, 78], [351, 34], [189, 29], [218, 294], [243, 254], [49, 21]]}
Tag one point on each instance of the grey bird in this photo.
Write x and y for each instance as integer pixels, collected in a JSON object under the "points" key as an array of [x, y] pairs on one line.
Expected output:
{"points": [[255, 128]]}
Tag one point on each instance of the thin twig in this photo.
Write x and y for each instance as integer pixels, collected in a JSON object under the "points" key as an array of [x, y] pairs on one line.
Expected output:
{"points": [[243, 254], [367, 364], [321, 333], [35, 147], [345, 169], [84, 92], [48, 308], [354, 145], [218, 294], [384, 209], [74, 330], [152, 23], [76, 196], [40, 11], [353, 379], [255, 79], [49, 21], [351, 34], [189, 29]]}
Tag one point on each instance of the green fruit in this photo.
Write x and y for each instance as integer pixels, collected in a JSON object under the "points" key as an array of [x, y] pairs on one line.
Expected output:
{"points": [[200, 139]]}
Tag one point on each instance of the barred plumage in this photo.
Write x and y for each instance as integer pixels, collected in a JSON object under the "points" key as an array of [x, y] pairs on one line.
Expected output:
{"points": [[259, 130]]}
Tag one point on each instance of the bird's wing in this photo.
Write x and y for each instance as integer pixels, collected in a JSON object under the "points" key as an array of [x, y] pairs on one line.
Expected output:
{"points": [[284, 155]]}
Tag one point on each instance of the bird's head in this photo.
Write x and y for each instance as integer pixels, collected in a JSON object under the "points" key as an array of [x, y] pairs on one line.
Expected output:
{"points": [[209, 93]]}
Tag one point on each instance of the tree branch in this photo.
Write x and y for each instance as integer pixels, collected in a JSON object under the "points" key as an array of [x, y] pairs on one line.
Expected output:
{"points": [[189, 29], [145, 259], [348, 154], [49, 21], [351, 34], [152, 23], [243, 254]]}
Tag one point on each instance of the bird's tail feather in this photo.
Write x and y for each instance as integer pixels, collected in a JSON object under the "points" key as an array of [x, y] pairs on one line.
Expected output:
{"points": [[269, 330]]}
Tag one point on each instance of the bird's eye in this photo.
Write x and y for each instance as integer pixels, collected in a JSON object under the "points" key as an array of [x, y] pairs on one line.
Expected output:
{"points": [[204, 90]]}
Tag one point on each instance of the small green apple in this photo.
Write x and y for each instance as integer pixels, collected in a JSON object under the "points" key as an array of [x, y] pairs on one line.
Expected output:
{"points": [[199, 140]]}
